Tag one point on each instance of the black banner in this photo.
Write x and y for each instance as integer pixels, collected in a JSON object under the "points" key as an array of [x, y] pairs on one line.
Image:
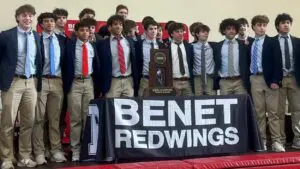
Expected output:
{"points": [[166, 127]]}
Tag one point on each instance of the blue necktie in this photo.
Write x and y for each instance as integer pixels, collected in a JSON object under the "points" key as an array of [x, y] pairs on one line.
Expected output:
{"points": [[51, 55], [287, 52], [27, 59], [254, 67]]}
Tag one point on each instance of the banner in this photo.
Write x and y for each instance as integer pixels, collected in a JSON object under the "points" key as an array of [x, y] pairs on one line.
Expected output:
{"points": [[169, 127]]}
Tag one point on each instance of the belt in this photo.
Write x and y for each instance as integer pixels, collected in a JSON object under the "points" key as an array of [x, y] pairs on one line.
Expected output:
{"points": [[182, 79], [24, 77], [82, 77], [231, 78], [258, 73], [122, 77], [145, 76], [51, 76]]}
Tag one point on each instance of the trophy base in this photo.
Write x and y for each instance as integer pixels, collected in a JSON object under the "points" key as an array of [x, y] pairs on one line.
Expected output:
{"points": [[162, 91]]}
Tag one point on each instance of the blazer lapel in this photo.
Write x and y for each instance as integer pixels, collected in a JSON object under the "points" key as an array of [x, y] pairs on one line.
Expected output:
{"points": [[14, 43]]}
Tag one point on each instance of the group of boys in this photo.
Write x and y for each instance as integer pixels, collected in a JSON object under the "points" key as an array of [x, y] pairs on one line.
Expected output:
{"points": [[40, 71]]}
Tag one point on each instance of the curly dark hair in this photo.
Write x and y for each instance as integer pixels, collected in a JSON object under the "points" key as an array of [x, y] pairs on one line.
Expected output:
{"points": [[227, 23], [44, 15]]}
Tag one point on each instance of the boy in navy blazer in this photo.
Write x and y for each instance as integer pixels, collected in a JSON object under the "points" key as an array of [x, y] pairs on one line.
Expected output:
{"points": [[181, 58], [143, 48], [50, 98], [20, 66], [232, 60], [81, 82], [265, 69], [287, 48], [119, 73]]}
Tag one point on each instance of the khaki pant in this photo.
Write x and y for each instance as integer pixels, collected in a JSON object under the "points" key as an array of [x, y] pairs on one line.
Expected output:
{"points": [[50, 102], [235, 86], [21, 95], [183, 88], [121, 87], [143, 88], [208, 88], [266, 100], [290, 91], [81, 94]]}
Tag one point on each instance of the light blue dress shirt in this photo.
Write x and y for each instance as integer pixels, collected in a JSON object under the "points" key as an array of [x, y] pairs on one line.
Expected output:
{"points": [[78, 57], [224, 58]]}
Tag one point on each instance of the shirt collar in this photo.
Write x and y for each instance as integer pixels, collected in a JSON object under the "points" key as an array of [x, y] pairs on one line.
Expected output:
{"points": [[173, 41], [150, 41], [114, 37], [23, 31], [233, 40], [201, 43], [280, 36], [57, 31], [79, 42], [47, 35], [260, 37]]}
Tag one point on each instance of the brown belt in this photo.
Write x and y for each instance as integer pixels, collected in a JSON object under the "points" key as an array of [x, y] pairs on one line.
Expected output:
{"points": [[182, 79], [231, 78]]}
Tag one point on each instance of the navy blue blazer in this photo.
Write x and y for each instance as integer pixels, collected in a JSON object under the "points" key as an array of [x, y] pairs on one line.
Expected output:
{"points": [[69, 66], [105, 56], [244, 62], [8, 58], [190, 60], [271, 64], [140, 55], [296, 54]]}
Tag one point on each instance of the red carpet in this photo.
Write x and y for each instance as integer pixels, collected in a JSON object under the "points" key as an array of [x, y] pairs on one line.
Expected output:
{"points": [[289, 160]]}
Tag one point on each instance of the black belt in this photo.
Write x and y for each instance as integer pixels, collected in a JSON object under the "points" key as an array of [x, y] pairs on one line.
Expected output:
{"points": [[122, 77], [145, 76], [24, 77], [258, 73], [182, 79], [231, 78], [51, 76], [82, 77]]}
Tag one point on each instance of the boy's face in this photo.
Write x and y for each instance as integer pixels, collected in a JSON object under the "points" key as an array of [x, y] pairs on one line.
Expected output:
{"points": [[116, 28], [132, 32], [177, 35], [61, 21], [83, 33], [260, 29], [230, 32], [48, 24], [243, 29], [151, 32], [87, 15], [284, 27], [159, 33], [25, 20], [123, 13], [92, 29], [202, 35]]}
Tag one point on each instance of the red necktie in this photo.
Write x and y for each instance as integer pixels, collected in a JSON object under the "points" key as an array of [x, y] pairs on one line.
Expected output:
{"points": [[121, 57], [85, 65]]}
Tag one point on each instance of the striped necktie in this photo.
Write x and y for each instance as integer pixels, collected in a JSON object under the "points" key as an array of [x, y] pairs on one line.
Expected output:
{"points": [[253, 66], [230, 58]]}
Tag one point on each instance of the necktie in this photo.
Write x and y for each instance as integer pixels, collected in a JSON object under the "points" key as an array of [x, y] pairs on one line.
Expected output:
{"points": [[121, 57], [254, 67], [287, 53], [27, 59], [203, 71], [85, 66], [51, 55], [180, 57], [152, 45], [230, 59]]}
